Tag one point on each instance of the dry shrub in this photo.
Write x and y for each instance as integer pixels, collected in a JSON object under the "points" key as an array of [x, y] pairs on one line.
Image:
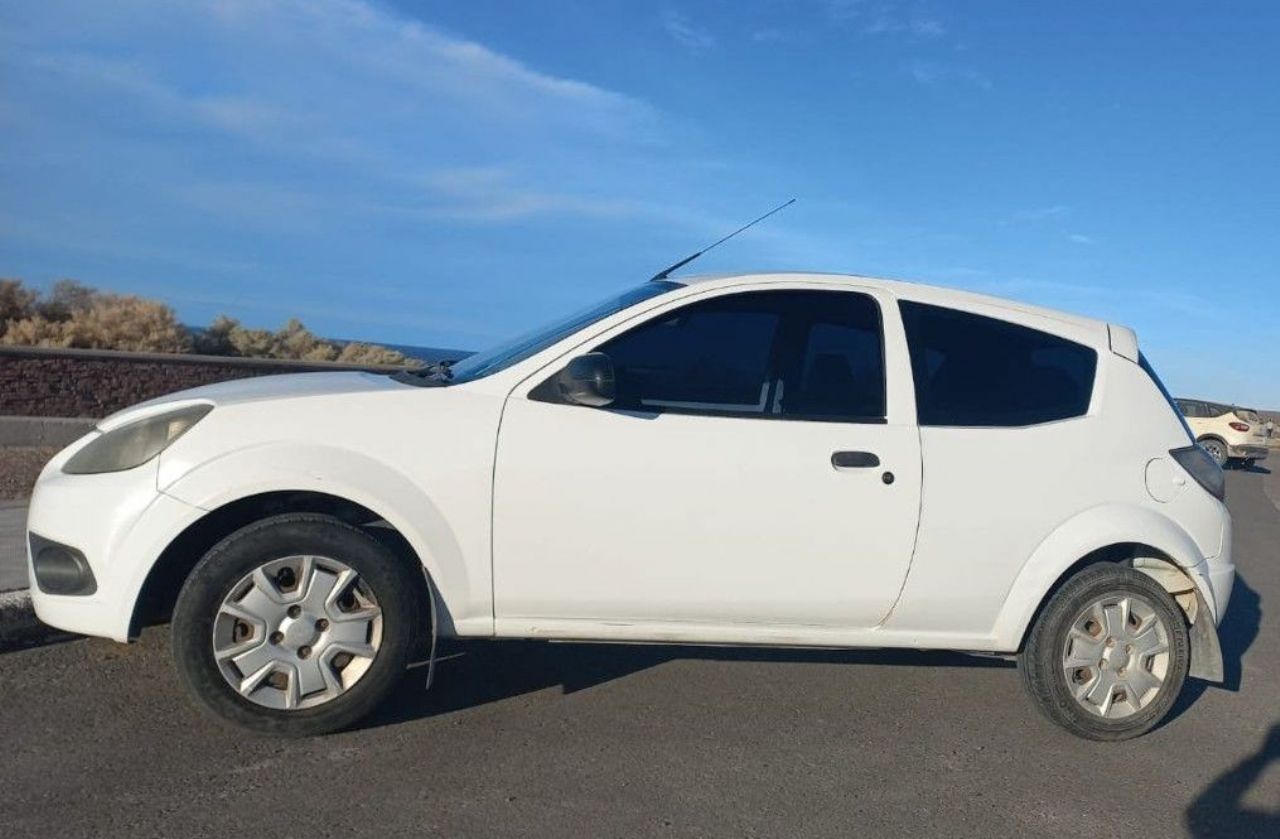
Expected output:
{"points": [[16, 301], [360, 353], [226, 336], [74, 315]]}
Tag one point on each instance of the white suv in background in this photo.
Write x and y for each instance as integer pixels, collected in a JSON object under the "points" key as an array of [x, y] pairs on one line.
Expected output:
{"points": [[1226, 431], [776, 459]]}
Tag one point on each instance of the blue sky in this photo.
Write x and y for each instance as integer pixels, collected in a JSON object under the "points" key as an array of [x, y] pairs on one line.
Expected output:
{"points": [[447, 173]]}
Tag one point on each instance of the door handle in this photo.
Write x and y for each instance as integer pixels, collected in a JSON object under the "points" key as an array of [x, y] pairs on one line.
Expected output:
{"points": [[854, 460]]}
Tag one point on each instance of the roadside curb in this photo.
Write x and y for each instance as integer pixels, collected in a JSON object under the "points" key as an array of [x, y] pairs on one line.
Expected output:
{"points": [[19, 626]]}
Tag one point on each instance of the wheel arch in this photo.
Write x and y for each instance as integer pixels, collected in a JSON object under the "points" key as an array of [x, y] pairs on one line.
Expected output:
{"points": [[167, 574], [249, 483], [1149, 541]]}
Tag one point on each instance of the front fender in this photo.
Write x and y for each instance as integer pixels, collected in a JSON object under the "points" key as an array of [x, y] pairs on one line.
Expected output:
{"points": [[356, 477], [1091, 530]]}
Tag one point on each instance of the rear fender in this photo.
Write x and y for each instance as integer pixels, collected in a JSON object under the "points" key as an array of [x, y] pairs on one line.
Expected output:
{"points": [[1090, 531]]}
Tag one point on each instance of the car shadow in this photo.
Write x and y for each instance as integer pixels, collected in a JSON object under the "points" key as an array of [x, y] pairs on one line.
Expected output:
{"points": [[1236, 633], [1219, 809], [473, 673], [1254, 468]]}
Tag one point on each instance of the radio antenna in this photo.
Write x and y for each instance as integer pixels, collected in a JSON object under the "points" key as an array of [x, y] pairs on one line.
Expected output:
{"points": [[666, 272]]}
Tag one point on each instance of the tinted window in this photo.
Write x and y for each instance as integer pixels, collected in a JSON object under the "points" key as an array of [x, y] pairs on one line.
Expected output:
{"points": [[781, 354], [978, 371], [837, 370], [714, 356]]}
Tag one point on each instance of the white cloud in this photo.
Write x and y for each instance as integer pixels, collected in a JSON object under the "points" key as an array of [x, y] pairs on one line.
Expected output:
{"points": [[685, 33], [932, 73], [886, 17], [381, 104], [1081, 239], [1034, 214]]}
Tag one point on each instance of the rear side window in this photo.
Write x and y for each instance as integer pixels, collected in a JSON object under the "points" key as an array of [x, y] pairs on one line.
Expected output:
{"points": [[972, 370]]}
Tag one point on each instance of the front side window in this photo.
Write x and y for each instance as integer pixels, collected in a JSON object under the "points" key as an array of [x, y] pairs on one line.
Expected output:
{"points": [[838, 372], [972, 370], [814, 355], [709, 357]]}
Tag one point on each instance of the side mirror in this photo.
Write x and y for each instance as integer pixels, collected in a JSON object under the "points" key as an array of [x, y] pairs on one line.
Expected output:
{"points": [[587, 380]]}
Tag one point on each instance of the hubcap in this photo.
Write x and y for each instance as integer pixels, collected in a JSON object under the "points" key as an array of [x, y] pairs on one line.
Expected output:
{"points": [[297, 632], [1116, 656]]}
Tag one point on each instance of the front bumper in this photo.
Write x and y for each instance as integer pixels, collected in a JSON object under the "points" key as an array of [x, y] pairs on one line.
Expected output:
{"points": [[119, 523], [1248, 451]]}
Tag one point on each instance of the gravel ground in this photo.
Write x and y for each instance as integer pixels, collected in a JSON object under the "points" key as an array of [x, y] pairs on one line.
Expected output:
{"points": [[19, 467]]}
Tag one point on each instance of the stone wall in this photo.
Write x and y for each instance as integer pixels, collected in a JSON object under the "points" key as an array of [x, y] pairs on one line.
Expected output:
{"points": [[41, 382]]}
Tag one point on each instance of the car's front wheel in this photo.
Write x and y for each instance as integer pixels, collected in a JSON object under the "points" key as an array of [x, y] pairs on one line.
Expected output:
{"points": [[1108, 655], [298, 624]]}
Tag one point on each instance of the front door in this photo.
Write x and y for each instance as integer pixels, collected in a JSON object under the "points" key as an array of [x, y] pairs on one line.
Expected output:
{"points": [[747, 473]]}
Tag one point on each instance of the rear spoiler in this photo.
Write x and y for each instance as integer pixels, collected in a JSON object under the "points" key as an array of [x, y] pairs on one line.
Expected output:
{"points": [[1124, 342]]}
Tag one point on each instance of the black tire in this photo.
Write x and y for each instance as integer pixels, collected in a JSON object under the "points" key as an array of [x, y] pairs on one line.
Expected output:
{"points": [[1216, 449], [396, 586], [1041, 660]]}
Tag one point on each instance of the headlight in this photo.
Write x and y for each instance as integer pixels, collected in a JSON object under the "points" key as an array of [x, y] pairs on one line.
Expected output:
{"points": [[134, 444]]}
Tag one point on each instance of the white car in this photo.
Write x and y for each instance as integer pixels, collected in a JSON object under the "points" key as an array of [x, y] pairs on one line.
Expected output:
{"points": [[1226, 431], [775, 459]]}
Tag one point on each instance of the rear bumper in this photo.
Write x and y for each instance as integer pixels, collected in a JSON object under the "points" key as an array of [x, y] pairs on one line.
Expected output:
{"points": [[1250, 451], [1220, 572]]}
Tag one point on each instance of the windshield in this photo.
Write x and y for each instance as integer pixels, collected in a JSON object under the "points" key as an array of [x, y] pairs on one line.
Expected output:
{"points": [[521, 347]]}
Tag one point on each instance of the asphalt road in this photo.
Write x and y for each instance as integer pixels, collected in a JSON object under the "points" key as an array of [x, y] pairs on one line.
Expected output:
{"points": [[521, 739], [13, 558]]}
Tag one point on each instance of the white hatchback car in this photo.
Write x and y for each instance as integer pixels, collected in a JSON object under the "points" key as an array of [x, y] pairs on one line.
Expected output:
{"points": [[777, 459]]}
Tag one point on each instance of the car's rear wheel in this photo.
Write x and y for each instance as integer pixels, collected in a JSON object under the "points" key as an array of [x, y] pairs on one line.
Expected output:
{"points": [[1108, 655], [297, 625], [1216, 449]]}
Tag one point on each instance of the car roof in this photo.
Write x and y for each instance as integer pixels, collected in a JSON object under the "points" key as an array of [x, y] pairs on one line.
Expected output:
{"points": [[922, 292], [1223, 406]]}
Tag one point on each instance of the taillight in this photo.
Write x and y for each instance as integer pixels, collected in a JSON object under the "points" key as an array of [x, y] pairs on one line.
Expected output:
{"points": [[1203, 468], [1239, 426]]}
